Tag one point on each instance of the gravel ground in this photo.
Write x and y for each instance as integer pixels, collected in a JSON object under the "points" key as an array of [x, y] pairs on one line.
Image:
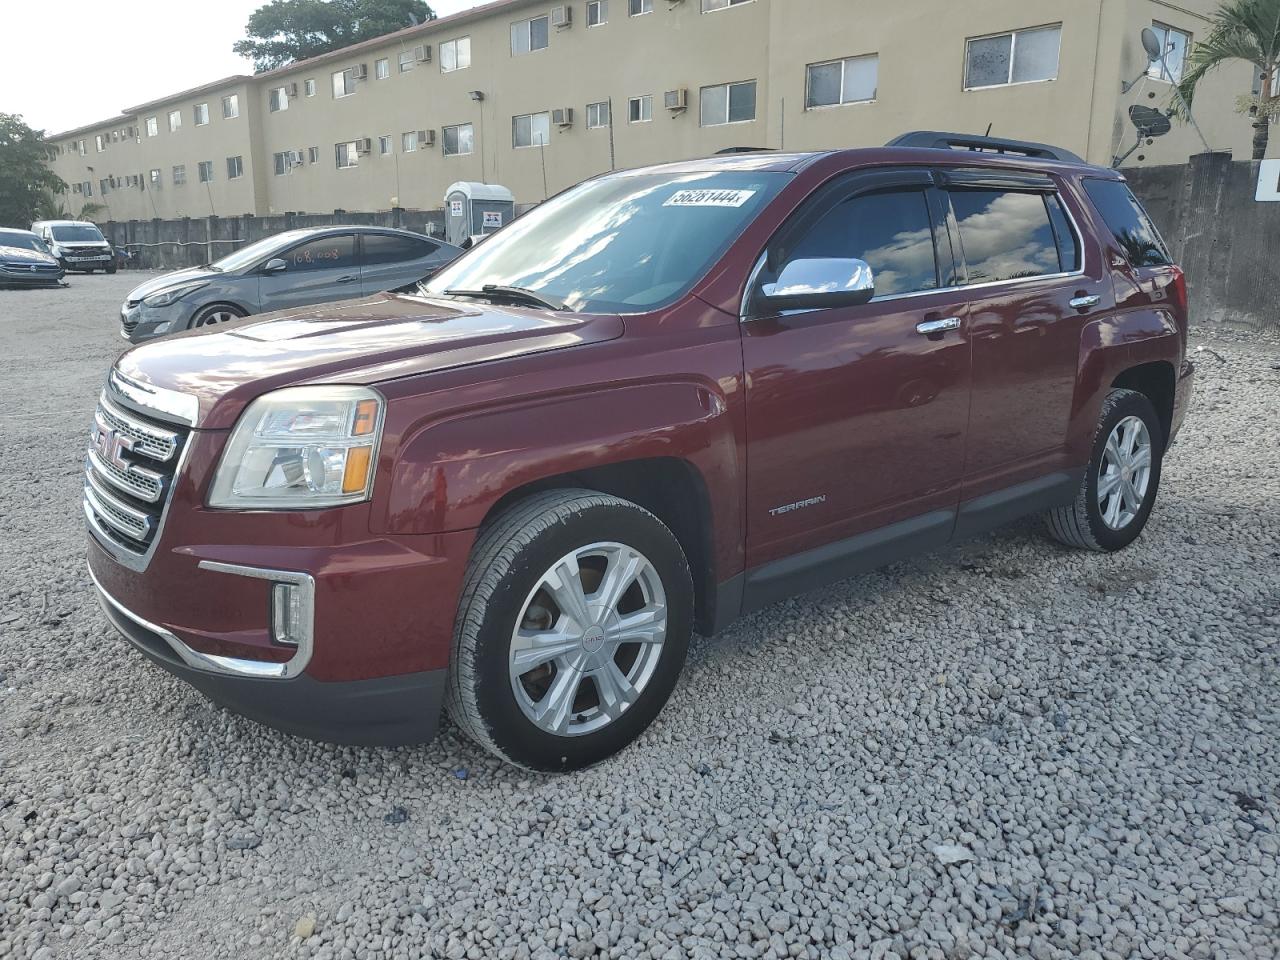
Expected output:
{"points": [[1006, 749]]}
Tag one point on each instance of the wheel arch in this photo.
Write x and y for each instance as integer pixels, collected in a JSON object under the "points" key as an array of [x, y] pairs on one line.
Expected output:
{"points": [[1157, 381], [240, 308]]}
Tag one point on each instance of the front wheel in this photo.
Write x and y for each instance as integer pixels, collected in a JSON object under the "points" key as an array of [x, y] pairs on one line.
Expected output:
{"points": [[1119, 486], [111, 269], [214, 314], [572, 629]]}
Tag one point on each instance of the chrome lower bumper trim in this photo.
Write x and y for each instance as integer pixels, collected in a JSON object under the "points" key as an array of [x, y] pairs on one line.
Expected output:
{"points": [[234, 666]]}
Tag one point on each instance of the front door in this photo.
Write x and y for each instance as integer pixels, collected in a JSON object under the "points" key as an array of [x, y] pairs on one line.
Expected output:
{"points": [[316, 271], [856, 416]]}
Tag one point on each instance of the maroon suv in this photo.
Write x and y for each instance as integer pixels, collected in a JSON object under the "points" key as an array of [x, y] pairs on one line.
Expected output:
{"points": [[659, 401]]}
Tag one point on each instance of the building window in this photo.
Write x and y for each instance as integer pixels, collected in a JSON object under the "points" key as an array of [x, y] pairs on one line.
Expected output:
{"points": [[235, 168], [152, 125], [313, 154], [852, 80], [729, 103], [103, 188], [231, 107], [179, 174], [529, 35], [344, 83], [459, 140], [1175, 43], [381, 68], [636, 8], [81, 147], [1023, 56], [346, 154], [598, 115], [175, 121], [455, 55], [205, 171], [200, 114], [154, 177], [709, 6], [409, 141], [597, 12], [640, 109], [309, 87], [281, 163], [406, 61], [531, 130], [277, 100], [384, 145]]}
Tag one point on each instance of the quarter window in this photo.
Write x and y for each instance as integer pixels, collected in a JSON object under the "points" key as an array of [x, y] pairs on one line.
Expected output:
{"points": [[1022, 56], [1005, 235], [231, 107], [323, 253], [636, 8], [458, 140], [1175, 43], [852, 80], [531, 130], [529, 35], [598, 115], [391, 248], [640, 109], [1128, 221], [597, 12], [153, 126], [728, 103], [455, 55], [200, 114]]}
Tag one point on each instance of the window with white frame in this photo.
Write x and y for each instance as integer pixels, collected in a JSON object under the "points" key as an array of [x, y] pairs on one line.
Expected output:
{"points": [[711, 5], [200, 114], [309, 87], [640, 109], [459, 140], [598, 115], [637, 8], [344, 83], [277, 100], [81, 147], [280, 163], [313, 154], [231, 107], [531, 130], [1176, 44], [204, 169], [382, 68], [529, 35], [346, 154], [406, 61], [455, 54], [99, 141], [153, 126], [154, 177], [385, 145], [851, 80], [728, 103], [175, 121], [409, 141], [179, 174], [1021, 56], [597, 12], [235, 168]]}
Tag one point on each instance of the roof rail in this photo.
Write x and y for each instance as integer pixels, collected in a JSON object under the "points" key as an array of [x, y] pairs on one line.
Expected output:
{"points": [[932, 139], [727, 151]]}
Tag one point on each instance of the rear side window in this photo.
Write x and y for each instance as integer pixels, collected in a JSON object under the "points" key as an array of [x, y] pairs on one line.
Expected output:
{"points": [[1133, 229], [326, 253], [388, 248], [1007, 235], [891, 231]]}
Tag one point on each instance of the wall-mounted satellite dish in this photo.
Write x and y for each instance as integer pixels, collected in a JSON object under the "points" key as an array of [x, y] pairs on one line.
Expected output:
{"points": [[1151, 43], [1149, 121]]}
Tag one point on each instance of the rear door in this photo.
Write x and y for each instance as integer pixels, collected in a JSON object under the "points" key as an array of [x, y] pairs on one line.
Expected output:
{"points": [[391, 260], [316, 271]]}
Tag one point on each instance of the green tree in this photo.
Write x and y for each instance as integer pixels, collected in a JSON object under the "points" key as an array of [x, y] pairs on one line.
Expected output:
{"points": [[287, 30], [24, 171], [1246, 30]]}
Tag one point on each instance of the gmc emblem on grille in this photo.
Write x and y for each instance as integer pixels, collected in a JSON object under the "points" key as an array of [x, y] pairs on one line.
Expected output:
{"points": [[111, 446]]}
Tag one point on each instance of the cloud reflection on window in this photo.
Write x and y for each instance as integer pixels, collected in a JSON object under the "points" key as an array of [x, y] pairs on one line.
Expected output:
{"points": [[1005, 235]]}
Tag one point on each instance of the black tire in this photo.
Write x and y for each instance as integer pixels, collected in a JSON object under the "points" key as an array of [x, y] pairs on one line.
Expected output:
{"points": [[1081, 523], [509, 558], [203, 316], [111, 269]]}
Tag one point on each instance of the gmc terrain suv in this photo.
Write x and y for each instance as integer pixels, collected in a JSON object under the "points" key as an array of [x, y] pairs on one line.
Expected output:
{"points": [[661, 400]]}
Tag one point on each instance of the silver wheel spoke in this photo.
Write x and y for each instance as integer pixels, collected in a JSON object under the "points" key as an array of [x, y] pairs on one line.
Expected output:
{"points": [[556, 708], [1141, 458], [532, 648], [1130, 496], [624, 567], [1107, 485], [616, 691], [564, 581], [644, 626]]}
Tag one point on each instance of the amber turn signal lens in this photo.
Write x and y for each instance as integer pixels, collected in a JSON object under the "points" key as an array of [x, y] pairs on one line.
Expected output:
{"points": [[366, 419], [356, 474]]}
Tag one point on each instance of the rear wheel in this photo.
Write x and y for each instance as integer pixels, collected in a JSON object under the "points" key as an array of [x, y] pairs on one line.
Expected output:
{"points": [[1119, 487], [573, 627], [215, 313]]}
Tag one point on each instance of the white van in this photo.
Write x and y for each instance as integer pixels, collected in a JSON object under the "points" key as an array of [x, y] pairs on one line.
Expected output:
{"points": [[78, 244]]}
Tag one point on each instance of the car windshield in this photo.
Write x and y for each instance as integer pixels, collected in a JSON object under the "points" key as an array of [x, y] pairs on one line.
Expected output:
{"points": [[77, 233], [622, 244], [259, 250], [26, 241]]}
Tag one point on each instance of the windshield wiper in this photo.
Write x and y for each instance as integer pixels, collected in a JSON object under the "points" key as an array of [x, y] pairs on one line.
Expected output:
{"points": [[494, 291]]}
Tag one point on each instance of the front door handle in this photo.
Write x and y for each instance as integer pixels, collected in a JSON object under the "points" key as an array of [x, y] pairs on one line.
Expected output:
{"points": [[1084, 303], [930, 328], [349, 278]]}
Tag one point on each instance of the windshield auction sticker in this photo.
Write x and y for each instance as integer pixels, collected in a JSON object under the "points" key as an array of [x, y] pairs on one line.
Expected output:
{"points": [[709, 198]]}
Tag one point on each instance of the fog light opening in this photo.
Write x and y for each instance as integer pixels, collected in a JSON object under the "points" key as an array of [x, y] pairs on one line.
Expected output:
{"points": [[287, 613]]}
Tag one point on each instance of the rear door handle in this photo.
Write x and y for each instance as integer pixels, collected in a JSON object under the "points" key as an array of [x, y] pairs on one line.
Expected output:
{"points": [[1084, 303], [349, 278], [930, 328]]}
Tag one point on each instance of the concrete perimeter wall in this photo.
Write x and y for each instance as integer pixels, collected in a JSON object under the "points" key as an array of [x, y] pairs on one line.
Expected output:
{"points": [[1227, 242]]}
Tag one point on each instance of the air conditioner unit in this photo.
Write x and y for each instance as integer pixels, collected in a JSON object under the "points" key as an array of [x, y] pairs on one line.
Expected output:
{"points": [[562, 116], [291, 91], [562, 15], [426, 138], [422, 53], [364, 146], [676, 99], [360, 71]]}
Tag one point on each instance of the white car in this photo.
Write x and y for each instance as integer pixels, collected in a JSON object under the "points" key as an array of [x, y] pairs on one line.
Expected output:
{"points": [[78, 244]]}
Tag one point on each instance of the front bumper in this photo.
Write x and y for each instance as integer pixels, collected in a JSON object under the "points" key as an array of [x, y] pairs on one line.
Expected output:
{"points": [[139, 323], [25, 278], [87, 262]]}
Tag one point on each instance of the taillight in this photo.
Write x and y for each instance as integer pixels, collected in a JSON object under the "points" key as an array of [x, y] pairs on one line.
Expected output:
{"points": [[1180, 292]]}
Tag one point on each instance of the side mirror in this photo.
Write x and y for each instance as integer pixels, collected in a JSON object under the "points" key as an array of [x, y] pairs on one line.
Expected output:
{"points": [[275, 265], [820, 283]]}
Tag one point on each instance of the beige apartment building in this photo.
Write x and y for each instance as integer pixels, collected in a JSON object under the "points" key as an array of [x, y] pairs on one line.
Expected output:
{"points": [[537, 96]]}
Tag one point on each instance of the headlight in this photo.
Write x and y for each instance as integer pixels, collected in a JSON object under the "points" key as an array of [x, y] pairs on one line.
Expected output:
{"points": [[301, 448], [166, 297]]}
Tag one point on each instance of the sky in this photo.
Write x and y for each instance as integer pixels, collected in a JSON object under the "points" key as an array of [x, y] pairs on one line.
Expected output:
{"points": [[76, 62]]}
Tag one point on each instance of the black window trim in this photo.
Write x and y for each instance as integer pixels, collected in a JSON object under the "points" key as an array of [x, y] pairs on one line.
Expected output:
{"points": [[403, 235]]}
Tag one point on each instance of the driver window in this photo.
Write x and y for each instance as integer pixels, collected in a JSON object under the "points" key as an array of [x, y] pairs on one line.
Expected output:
{"points": [[892, 231]]}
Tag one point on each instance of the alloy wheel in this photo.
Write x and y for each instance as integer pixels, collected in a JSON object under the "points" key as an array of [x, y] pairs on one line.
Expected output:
{"points": [[1124, 473], [217, 316]]}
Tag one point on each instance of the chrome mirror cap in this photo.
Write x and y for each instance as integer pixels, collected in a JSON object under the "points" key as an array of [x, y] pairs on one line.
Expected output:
{"points": [[821, 283], [275, 265]]}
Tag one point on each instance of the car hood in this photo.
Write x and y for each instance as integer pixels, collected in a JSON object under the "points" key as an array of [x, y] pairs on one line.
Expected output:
{"points": [[166, 280], [25, 257], [382, 337]]}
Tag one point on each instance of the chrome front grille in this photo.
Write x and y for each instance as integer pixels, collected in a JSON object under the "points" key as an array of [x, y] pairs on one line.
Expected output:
{"points": [[130, 467]]}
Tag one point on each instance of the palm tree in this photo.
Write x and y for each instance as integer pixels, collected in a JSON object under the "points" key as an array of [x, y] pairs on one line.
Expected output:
{"points": [[1243, 30], [49, 206]]}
